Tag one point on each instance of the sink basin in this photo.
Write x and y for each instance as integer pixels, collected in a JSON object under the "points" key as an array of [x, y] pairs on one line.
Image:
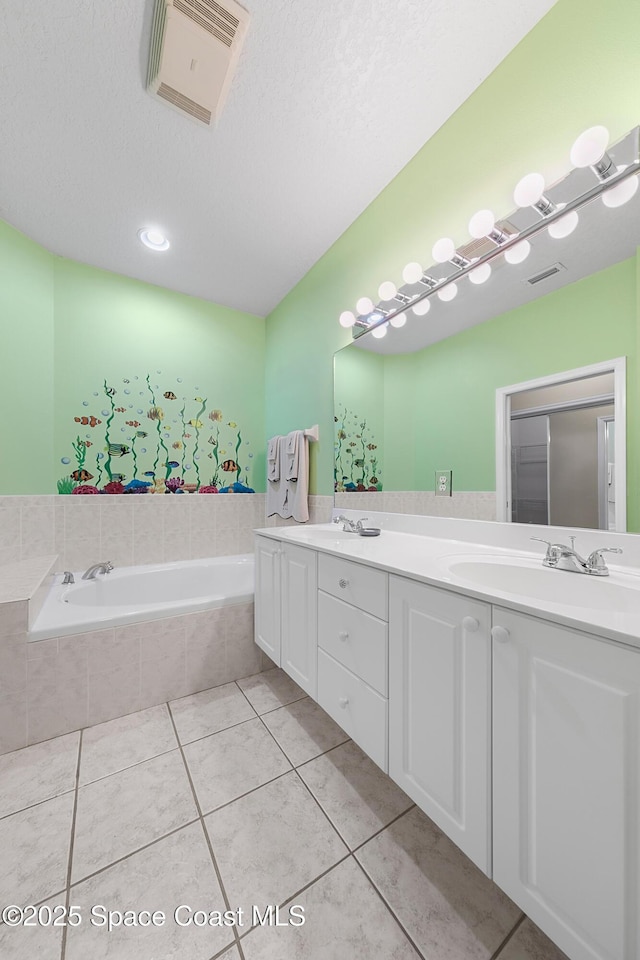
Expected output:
{"points": [[530, 580]]}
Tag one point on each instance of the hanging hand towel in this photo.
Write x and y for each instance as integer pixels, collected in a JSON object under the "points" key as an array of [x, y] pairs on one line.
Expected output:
{"points": [[293, 447], [297, 501], [273, 459], [278, 496]]}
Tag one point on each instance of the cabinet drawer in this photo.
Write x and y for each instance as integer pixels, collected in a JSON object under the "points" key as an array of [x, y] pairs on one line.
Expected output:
{"points": [[359, 710], [354, 638], [362, 586]]}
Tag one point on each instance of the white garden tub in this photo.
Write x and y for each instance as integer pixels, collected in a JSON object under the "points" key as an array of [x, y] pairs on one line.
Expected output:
{"points": [[133, 594]]}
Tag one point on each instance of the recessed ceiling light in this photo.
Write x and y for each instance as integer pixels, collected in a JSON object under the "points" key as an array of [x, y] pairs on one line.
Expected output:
{"points": [[154, 239]]}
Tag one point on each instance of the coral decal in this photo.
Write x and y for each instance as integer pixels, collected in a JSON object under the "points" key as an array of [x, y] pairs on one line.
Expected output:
{"points": [[357, 456], [191, 430]]}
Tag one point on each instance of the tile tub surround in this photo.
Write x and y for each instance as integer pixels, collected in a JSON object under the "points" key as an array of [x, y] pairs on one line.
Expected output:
{"points": [[52, 687], [132, 530], [235, 822]]}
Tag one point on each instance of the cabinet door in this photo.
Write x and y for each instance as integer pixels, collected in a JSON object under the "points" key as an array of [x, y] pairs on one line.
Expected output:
{"points": [[267, 597], [440, 711], [566, 761], [300, 616]]}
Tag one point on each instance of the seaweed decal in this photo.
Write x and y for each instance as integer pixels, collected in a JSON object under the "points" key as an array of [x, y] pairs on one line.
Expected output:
{"points": [[356, 466]]}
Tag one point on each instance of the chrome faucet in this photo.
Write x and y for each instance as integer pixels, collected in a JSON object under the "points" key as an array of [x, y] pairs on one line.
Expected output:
{"points": [[105, 567], [68, 578], [350, 526], [559, 556]]}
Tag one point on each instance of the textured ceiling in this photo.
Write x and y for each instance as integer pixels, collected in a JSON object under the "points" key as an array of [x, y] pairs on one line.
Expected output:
{"points": [[87, 157]]}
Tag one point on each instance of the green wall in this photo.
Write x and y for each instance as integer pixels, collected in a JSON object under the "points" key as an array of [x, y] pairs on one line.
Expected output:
{"points": [[26, 371], [579, 66], [70, 327]]}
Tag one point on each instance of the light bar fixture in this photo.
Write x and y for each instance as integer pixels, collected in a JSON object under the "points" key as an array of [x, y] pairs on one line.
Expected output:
{"points": [[616, 184]]}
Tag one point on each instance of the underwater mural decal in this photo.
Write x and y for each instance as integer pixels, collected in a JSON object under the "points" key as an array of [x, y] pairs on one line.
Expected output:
{"points": [[142, 438], [357, 456]]}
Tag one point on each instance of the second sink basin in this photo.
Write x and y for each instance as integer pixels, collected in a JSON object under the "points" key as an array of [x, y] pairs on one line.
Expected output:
{"points": [[529, 579]]}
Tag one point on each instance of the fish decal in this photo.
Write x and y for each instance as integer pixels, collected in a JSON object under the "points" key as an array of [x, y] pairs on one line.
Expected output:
{"points": [[212, 441], [121, 409], [372, 446], [81, 475], [88, 443], [177, 445], [125, 381], [132, 423], [187, 436], [195, 423], [216, 416], [232, 424], [118, 450], [173, 464], [141, 434], [88, 421], [148, 473], [229, 466], [118, 477], [373, 480], [110, 391], [198, 399], [156, 413], [169, 395]]}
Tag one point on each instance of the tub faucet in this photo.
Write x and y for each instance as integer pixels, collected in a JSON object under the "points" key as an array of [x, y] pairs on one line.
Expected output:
{"points": [[91, 573], [559, 556], [68, 578]]}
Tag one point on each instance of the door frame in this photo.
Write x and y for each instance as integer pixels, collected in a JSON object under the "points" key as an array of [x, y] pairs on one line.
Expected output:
{"points": [[618, 367]]}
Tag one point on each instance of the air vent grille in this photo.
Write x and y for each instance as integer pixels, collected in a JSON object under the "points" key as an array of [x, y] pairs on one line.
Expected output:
{"points": [[213, 17], [546, 273], [184, 103]]}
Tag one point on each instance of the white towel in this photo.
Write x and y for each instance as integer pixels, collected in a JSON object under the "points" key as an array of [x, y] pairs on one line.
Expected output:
{"points": [[293, 448], [297, 500], [273, 459], [277, 490]]}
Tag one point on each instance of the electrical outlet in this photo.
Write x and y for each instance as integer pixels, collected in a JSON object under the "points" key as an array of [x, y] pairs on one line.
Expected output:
{"points": [[443, 483]]}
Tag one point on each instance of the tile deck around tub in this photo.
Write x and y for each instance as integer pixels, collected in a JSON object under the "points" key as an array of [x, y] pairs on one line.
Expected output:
{"points": [[242, 795]]}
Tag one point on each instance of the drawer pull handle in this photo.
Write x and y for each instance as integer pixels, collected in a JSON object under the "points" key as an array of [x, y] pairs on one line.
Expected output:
{"points": [[343, 635], [343, 701], [470, 624], [501, 634], [343, 583]]}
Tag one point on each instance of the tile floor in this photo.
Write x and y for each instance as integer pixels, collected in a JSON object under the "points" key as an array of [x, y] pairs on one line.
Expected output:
{"points": [[245, 794]]}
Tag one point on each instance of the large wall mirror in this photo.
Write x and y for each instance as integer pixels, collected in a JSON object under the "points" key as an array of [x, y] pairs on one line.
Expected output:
{"points": [[552, 342]]}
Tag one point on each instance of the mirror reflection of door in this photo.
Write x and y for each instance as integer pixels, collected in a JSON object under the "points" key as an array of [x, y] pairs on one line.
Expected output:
{"points": [[562, 467]]}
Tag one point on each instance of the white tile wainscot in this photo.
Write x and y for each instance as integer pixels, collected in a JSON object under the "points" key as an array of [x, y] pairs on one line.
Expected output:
{"points": [[513, 718]]}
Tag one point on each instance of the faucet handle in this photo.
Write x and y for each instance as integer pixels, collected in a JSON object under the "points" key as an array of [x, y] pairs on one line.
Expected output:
{"points": [[595, 560], [540, 540], [108, 566]]}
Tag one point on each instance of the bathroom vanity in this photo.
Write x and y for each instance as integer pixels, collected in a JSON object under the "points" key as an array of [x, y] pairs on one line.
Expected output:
{"points": [[503, 698]]}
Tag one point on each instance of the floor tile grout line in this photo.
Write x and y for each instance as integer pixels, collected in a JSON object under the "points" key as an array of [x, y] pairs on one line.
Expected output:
{"points": [[496, 954], [391, 910], [247, 793], [302, 890], [63, 944], [206, 836], [132, 853], [38, 803], [382, 829]]}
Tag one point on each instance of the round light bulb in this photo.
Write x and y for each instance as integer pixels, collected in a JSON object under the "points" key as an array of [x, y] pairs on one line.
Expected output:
{"points": [[589, 147], [364, 306], [481, 274], [564, 226], [347, 318], [443, 250], [481, 224], [518, 252], [399, 320], [422, 308], [380, 331], [448, 293], [387, 290], [622, 193], [153, 239], [412, 273], [529, 190]]}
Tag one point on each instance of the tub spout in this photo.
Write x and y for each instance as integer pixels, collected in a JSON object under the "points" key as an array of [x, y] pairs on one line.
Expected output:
{"points": [[92, 572]]}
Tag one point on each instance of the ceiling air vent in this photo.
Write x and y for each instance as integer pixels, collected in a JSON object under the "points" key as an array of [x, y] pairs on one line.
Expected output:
{"points": [[194, 48], [546, 273]]}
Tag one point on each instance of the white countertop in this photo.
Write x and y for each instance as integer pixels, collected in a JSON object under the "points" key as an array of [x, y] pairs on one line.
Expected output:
{"points": [[423, 558]]}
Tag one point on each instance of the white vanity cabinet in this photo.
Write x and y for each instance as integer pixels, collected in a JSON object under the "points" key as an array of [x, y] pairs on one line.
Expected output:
{"points": [[286, 608], [440, 710], [566, 783], [352, 651]]}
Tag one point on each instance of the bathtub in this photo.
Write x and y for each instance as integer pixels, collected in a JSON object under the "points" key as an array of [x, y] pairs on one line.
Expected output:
{"points": [[133, 594]]}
